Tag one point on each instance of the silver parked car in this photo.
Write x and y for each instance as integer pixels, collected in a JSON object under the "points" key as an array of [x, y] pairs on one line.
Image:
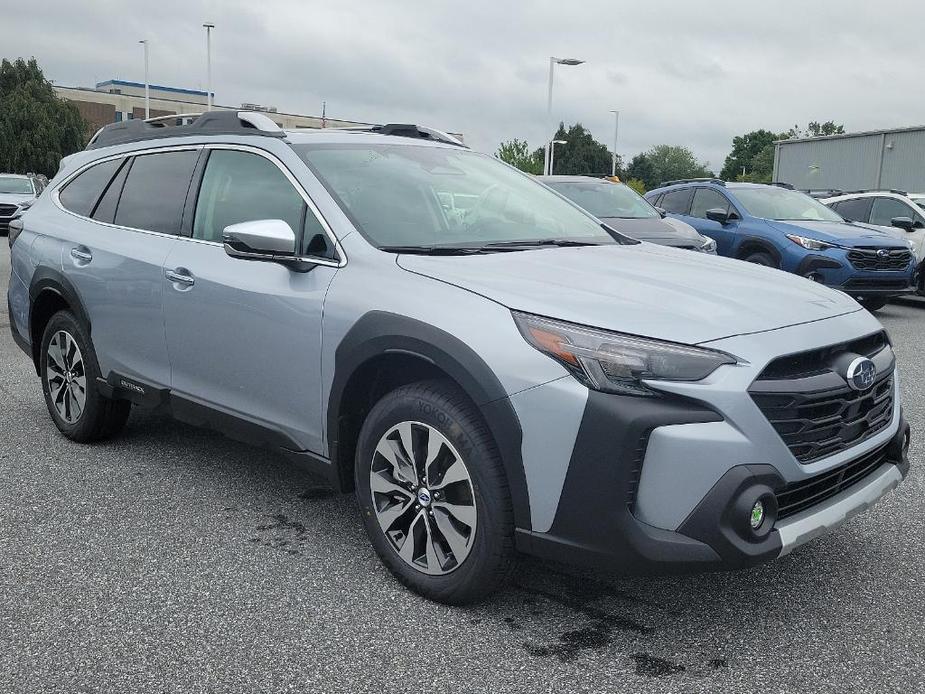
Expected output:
{"points": [[16, 192], [487, 366], [622, 208]]}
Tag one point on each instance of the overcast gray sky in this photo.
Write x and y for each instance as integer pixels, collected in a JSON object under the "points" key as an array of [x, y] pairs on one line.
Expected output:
{"points": [[685, 73]]}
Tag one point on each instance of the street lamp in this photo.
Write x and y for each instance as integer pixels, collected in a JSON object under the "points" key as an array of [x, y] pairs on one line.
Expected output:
{"points": [[552, 153], [616, 129], [209, 28], [553, 61], [147, 87]]}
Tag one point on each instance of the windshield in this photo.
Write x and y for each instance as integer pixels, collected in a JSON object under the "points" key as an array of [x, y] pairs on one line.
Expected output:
{"points": [[783, 204], [423, 196], [604, 199], [9, 184]]}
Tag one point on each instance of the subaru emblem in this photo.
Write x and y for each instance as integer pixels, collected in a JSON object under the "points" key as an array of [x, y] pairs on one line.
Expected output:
{"points": [[861, 373], [883, 253]]}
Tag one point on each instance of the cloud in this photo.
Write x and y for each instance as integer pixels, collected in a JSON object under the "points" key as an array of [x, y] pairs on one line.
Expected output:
{"points": [[680, 73]]}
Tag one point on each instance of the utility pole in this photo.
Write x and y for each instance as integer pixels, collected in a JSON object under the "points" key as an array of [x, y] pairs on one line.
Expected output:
{"points": [[147, 86], [616, 130], [209, 28]]}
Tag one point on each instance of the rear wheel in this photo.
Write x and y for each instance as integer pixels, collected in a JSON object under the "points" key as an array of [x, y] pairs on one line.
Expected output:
{"points": [[760, 259], [433, 493], [69, 370]]}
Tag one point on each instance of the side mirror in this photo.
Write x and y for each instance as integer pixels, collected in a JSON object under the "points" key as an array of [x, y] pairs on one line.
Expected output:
{"points": [[263, 239], [718, 215], [662, 211], [903, 223]]}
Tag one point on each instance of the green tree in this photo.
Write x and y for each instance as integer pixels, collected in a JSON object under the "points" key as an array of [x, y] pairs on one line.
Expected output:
{"points": [[637, 185], [641, 169], [671, 162], [581, 155], [517, 153], [37, 128], [745, 149], [816, 129]]}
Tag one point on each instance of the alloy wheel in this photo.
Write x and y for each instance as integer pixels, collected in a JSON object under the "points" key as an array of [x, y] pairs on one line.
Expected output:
{"points": [[423, 497], [66, 377]]}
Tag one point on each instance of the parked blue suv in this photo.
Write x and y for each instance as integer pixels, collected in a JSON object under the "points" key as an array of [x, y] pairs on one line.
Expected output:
{"points": [[777, 226]]}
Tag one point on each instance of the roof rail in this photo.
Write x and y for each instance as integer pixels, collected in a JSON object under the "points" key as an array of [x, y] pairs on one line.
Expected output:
{"points": [[879, 190], [819, 193], [717, 181], [208, 123], [781, 184], [410, 130]]}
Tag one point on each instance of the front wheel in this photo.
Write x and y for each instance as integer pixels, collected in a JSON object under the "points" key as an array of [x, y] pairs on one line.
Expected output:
{"points": [[873, 304], [433, 493], [760, 259]]}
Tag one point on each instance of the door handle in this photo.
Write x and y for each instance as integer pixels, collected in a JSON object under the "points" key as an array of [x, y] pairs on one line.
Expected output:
{"points": [[81, 254], [180, 277]]}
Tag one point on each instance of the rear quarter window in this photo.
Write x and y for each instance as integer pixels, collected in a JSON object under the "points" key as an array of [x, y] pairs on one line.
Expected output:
{"points": [[82, 192]]}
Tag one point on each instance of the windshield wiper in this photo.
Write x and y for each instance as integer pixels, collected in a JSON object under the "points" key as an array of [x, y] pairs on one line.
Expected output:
{"points": [[564, 243], [432, 250]]}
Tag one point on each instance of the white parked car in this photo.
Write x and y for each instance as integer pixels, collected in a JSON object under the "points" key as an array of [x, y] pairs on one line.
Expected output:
{"points": [[895, 212]]}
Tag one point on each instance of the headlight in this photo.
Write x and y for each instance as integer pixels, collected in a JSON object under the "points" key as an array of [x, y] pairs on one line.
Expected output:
{"points": [[708, 245], [616, 363], [810, 244]]}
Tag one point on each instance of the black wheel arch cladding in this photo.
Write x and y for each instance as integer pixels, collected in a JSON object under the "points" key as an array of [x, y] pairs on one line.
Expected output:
{"points": [[46, 281], [380, 332]]}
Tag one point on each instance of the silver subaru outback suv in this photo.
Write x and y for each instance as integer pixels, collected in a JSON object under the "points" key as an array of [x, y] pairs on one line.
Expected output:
{"points": [[488, 367]]}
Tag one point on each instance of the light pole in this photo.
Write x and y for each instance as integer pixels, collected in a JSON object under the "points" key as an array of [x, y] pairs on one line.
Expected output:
{"points": [[616, 129], [209, 28], [147, 86], [552, 153], [553, 61]]}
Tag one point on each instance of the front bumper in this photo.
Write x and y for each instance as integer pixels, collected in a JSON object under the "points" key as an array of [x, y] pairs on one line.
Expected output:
{"points": [[596, 527]]}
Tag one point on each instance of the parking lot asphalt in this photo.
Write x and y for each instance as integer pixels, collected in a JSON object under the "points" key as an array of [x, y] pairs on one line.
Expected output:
{"points": [[173, 559]]}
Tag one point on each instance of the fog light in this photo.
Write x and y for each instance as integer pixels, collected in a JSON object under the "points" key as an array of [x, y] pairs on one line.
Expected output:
{"points": [[757, 516]]}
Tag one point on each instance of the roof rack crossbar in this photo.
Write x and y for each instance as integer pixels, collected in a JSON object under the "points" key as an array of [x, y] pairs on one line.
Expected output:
{"points": [[208, 123], [709, 179]]}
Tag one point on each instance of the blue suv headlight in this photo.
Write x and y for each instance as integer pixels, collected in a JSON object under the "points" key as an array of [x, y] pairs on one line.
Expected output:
{"points": [[617, 363], [810, 244]]}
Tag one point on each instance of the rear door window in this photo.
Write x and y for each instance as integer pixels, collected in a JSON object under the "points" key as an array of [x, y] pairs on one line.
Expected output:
{"points": [[80, 195], [677, 201], [155, 190], [708, 199]]}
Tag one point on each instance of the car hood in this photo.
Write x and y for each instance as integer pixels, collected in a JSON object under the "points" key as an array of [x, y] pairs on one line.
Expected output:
{"points": [[850, 235], [642, 289], [668, 231], [14, 198]]}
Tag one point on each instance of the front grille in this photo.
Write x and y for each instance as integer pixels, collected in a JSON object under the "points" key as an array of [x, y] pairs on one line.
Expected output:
{"points": [[7, 210], [814, 425], [800, 496], [871, 258], [807, 400]]}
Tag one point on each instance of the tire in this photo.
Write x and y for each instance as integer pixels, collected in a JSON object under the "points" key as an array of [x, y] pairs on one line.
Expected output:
{"points": [[435, 416], [67, 349], [760, 259], [874, 304]]}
